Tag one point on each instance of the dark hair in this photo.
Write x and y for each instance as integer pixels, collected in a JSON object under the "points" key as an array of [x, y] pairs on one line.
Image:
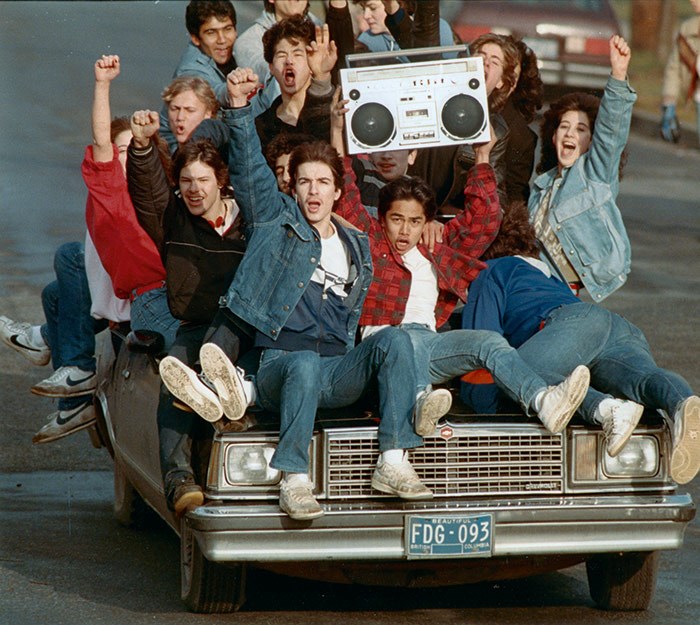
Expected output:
{"points": [[577, 101], [316, 152], [117, 126], [199, 11], [528, 95], [516, 236], [511, 58], [297, 29], [270, 7], [284, 143], [201, 150], [407, 188]]}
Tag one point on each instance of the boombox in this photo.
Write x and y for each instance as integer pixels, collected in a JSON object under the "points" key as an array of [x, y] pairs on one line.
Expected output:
{"points": [[414, 104]]}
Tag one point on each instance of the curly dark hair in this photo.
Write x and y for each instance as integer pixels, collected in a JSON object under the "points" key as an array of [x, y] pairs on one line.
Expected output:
{"points": [[284, 143], [528, 95], [516, 236], [408, 188], [295, 29], [199, 11]]}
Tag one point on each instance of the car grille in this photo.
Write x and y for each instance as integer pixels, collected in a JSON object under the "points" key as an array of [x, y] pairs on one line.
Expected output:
{"points": [[463, 463]]}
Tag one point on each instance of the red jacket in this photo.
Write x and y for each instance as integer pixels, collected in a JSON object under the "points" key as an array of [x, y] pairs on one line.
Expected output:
{"points": [[128, 254], [465, 238]]}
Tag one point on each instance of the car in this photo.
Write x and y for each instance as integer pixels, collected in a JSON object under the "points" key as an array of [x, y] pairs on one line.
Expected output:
{"points": [[511, 499], [570, 38]]}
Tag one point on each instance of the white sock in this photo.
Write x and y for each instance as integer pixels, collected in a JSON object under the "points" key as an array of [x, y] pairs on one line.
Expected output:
{"points": [[605, 409], [36, 338], [392, 456], [299, 478], [536, 403], [248, 388]]}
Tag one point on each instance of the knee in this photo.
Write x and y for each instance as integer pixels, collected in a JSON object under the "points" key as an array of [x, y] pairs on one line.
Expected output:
{"points": [[69, 255], [303, 368], [49, 295], [396, 341]]}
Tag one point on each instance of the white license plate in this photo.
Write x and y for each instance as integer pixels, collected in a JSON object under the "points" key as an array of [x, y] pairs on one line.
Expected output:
{"points": [[449, 536]]}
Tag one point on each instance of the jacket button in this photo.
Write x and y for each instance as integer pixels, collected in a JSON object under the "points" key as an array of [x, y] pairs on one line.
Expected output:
{"points": [[313, 259], [300, 285], [290, 234], [274, 332], [285, 307]]}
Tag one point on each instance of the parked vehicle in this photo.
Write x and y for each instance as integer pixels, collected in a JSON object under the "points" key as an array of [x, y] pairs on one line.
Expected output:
{"points": [[511, 499], [570, 38]]}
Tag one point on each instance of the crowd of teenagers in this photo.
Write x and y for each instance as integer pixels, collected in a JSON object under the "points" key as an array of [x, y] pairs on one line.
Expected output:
{"points": [[287, 276]]}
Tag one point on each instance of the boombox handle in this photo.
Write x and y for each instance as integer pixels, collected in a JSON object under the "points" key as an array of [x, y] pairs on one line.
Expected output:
{"points": [[394, 54]]}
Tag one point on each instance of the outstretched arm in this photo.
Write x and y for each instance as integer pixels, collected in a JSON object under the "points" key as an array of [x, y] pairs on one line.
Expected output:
{"points": [[106, 70]]}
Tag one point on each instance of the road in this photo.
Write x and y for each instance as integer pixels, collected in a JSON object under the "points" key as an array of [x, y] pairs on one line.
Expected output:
{"points": [[63, 560]]}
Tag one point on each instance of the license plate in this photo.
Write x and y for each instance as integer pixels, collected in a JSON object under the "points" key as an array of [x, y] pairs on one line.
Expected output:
{"points": [[448, 536], [543, 48]]}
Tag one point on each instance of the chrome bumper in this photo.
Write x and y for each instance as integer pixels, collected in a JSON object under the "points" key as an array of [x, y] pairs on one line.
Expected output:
{"points": [[375, 530]]}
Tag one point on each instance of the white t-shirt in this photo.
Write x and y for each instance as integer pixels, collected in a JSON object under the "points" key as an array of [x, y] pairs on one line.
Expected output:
{"points": [[334, 271], [423, 296]]}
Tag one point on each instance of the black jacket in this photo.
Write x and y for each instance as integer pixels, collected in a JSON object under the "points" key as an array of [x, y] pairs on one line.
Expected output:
{"points": [[199, 263]]}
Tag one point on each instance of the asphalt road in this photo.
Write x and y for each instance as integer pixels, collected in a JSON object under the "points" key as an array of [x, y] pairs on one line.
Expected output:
{"points": [[63, 560]]}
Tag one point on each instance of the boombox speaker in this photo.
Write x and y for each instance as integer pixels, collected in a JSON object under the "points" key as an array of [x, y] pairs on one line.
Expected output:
{"points": [[414, 104]]}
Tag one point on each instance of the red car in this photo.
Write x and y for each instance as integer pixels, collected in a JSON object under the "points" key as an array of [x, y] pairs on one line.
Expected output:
{"points": [[569, 37]]}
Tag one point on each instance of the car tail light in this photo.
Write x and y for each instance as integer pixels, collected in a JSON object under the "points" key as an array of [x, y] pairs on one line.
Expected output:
{"points": [[468, 32]]}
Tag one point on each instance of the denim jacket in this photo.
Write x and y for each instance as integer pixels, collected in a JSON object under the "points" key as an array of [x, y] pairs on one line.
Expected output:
{"points": [[584, 214], [283, 249], [194, 62]]}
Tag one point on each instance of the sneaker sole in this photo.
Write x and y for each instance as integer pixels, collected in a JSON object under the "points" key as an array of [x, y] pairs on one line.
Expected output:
{"points": [[614, 451], [190, 500], [685, 458], [184, 384], [304, 516], [433, 409], [580, 379], [223, 375], [389, 490], [64, 393]]}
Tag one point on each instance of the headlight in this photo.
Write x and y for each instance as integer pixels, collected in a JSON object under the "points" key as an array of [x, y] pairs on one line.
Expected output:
{"points": [[639, 458], [250, 465]]}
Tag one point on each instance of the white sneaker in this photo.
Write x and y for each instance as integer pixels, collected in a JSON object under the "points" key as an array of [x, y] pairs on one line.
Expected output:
{"points": [[400, 480], [226, 378], [619, 425], [185, 384], [68, 381], [298, 501], [561, 401], [65, 422], [18, 336], [685, 453], [431, 406]]}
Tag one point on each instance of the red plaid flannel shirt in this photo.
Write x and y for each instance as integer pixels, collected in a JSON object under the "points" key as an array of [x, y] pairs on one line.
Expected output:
{"points": [[465, 238]]}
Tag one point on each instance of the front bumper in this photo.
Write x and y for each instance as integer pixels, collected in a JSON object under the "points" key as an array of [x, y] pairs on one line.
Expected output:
{"points": [[375, 530]]}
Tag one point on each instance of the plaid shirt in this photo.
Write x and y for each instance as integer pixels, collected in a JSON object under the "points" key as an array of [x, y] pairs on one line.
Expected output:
{"points": [[465, 238]]}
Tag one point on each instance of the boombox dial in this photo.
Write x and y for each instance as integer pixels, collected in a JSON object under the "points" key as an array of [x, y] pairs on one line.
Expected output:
{"points": [[414, 105]]}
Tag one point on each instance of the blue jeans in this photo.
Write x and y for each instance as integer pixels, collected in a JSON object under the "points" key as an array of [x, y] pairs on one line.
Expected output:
{"points": [[441, 356], [296, 384], [616, 352], [70, 329], [149, 311]]}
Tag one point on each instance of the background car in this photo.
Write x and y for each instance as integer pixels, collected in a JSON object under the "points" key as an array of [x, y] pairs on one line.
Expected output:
{"points": [[569, 37]]}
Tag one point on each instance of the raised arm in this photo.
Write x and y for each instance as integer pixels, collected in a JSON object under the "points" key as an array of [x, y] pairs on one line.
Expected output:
{"points": [[474, 229], [106, 70], [253, 181]]}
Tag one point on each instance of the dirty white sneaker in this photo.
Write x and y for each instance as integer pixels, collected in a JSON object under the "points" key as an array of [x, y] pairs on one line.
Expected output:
{"points": [[400, 480], [18, 336], [685, 453], [431, 406], [185, 384], [64, 422], [226, 378], [561, 401], [68, 381], [298, 501], [619, 424]]}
